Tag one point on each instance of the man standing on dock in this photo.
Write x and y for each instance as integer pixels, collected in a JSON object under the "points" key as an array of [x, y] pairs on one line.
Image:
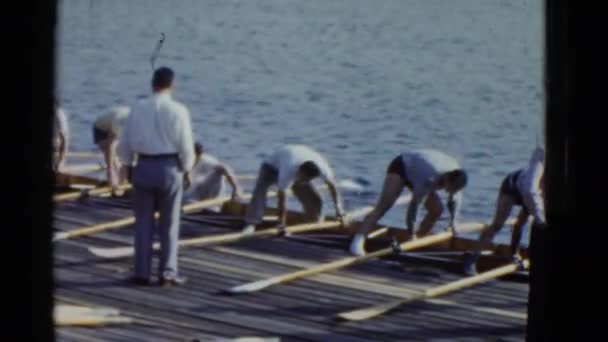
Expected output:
{"points": [[106, 131], [158, 137], [293, 167], [206, 180], [423, 172], [523, 188]]}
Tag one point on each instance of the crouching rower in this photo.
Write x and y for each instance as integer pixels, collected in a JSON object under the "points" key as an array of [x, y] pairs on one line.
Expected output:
{"points": [[293, 167], [423, 172]]}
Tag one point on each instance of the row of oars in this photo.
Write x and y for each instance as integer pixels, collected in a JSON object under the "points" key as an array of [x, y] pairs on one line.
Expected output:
{"points": [[361, 314], [124, 222]]}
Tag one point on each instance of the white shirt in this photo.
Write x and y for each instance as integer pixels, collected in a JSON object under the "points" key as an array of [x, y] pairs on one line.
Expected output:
{"points": [[60, 126], [423, 169], [113, 120], [207, 180], [288, 159], [158, 125], [528, 184]]}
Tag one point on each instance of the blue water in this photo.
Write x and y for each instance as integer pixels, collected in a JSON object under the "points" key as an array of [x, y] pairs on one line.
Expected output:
{"points": [[359, 80]]}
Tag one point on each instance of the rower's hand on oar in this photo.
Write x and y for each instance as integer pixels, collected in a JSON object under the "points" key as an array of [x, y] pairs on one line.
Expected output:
{"points": [[412, 235], [517, 260], [187, 180], [283, 230], [345, 220], [395, 245], [236, 195]]}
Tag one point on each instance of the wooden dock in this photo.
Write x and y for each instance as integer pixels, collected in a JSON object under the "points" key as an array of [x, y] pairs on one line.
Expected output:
{"points": [[302, 310]]}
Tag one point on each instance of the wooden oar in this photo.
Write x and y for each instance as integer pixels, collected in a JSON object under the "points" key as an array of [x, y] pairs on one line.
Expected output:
{"points": [[207, 240], [84, 155], [342, 263], [373, 311], [79, 169], [71, 315], [188, 208], [106, 226], [105, 190], [93, 192]]}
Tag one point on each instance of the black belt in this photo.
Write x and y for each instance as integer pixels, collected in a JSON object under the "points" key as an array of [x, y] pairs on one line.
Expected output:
{"points": [[158, 156]]}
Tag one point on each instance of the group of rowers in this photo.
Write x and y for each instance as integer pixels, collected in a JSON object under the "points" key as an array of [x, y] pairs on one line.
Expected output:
{"points": [[150, 145]]}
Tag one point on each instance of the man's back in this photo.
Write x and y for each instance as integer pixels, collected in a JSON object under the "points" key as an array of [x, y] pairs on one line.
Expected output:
{"points": [[422, 166], [288, 159], [159, 125], [113, 120]]}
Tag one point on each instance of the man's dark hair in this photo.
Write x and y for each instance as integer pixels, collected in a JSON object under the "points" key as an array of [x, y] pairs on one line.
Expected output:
{"points": [[163, 78], [458, 177], [198, 148], [309, 169]]}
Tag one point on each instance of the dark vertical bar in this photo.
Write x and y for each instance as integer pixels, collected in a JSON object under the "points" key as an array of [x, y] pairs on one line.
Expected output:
{"points": [[557, 107], [28, 30], [568, 258]]}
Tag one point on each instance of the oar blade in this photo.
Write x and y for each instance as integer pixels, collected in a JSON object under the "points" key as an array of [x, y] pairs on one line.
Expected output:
{"points": [[370, 312], [61, 236], [112, 253], [251, 287]]}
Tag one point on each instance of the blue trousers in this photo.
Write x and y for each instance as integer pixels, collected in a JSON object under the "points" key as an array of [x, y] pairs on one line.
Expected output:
{"points": [[158, 186]]}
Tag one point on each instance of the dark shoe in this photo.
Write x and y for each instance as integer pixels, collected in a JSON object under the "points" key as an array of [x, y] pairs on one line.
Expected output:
{"points": [[139, 281], [173, 281], [469, 268]]}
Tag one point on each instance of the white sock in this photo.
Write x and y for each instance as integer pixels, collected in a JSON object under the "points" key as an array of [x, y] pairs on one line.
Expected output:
{"points": [[357, 245], [250, 228]]}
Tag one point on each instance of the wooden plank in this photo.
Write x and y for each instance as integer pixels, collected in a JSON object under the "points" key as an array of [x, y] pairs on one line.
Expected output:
{"points": [[203, 288], [195, 294]]}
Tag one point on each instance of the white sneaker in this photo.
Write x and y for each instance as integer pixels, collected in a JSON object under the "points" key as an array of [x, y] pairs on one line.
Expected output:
{"points": [[248, 230], [357, 245]]}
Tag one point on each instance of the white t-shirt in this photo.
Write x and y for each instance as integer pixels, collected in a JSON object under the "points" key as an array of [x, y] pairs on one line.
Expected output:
{"points": [[423, 169], [207, 180], [113, 120], [288, 159]]}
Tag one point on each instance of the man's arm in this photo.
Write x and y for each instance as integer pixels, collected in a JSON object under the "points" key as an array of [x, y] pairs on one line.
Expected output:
{"points": [[454, 204], [282, 209], [412, 210], [113, 178], [335, 196], [186, 142], [522, 218], [227, 172], [63, 128], [125, 152], [63, 149]]}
